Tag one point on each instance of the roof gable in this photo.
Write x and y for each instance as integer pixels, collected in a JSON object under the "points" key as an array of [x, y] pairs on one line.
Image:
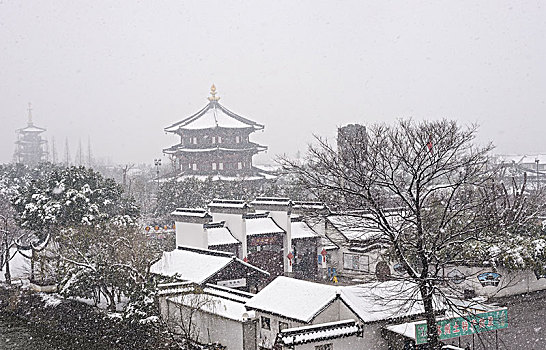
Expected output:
{"points": [[355, 228], [300, 229], [220, 235], [294, 299], [378, 301], [189, 265], [261, 226]]}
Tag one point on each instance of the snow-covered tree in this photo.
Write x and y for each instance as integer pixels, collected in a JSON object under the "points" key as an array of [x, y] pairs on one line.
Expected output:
{"points": [[85, 230], [13, 177], [67, 197], [433, 194], [106, 262]]}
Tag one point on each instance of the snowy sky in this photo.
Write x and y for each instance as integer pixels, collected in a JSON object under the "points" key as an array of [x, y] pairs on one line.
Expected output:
{"points": [[118, 72]]}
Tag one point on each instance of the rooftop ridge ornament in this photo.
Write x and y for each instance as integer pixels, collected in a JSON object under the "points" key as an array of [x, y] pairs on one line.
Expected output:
{"points": [[29, 113], [213, 96]]}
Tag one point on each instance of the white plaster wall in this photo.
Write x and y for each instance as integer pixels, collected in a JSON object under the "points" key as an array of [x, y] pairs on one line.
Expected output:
{"points": [[348, 343], [374, 257], [237, 227], [331, 314], [212, 328], [511, 283], [191, 234], [266, 338], [371, 336], [283, 220]]}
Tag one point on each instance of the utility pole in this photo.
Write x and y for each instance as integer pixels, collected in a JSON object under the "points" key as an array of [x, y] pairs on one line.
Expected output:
{"points": [[66, 153], [89, 153], [5, 231], [53, 151], [157, 163], [79, 154], [538, 182], [124, 171]]}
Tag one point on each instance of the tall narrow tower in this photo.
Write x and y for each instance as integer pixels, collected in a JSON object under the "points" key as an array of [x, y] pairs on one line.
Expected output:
{"points": [[30, 148]]}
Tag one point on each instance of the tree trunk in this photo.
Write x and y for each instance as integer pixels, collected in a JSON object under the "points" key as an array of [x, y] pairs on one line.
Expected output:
{"points": [[428, 303], [7, 274], [109, 298]]}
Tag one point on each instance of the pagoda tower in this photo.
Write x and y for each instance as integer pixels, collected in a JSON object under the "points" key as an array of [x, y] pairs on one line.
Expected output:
{"points": [[215, 141], [30, 147]]}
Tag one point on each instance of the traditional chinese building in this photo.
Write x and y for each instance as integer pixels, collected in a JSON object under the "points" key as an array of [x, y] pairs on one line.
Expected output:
{"points": [[264, 233], [31, 148], [215, 141]]}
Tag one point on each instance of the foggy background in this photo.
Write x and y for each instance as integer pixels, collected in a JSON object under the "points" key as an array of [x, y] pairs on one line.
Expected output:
{"points": [[118, 72]]}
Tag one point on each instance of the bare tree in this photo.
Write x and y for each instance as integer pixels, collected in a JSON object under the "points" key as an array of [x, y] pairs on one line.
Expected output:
{"points": [[190, 306], [426, 186]]}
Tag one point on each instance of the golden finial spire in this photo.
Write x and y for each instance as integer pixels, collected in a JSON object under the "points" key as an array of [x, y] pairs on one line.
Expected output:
{"points": [[213, 94], [29, 113]]}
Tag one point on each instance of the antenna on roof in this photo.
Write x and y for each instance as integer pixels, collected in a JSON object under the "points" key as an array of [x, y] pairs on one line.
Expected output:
{"points": [[29, 113], [213, 94]]}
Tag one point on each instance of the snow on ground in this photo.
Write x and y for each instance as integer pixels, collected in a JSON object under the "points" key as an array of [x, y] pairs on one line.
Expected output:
{"points": [[50, 299]]}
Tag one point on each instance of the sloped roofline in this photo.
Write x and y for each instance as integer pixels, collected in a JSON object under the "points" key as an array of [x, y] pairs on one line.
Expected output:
{"points": [[174, 127]]}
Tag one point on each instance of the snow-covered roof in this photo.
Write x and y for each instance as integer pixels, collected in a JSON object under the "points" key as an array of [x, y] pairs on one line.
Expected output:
{"points": [[182, 149], [405, 329], [302, 230], [309, 205], [384, 300], [355, 228], [220, 236], [195, 212], [303, 300], [271, 201], [214, 115], [254, 177], [224, 304], [227, 203], [292, 298], [32, 128], [262, 226], [190, 265], [269, 167], [522, 158], [318, 332]]}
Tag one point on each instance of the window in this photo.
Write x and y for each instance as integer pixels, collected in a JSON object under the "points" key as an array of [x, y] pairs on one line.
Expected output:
{"points": [[194, 166], [266, 323], [239, 165], [325, 347], [213, 166], [221, 166], [214, 139], [219, 139], [356, 262], [194, 140], [237, 139], [282, 325]]}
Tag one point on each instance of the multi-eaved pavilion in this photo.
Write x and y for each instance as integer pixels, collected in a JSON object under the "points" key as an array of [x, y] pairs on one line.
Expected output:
{"points": [[215, 141], [31, 148]]}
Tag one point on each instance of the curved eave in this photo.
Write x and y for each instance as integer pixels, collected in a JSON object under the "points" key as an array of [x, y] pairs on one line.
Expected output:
{"points": [[209, 150], [34, 130], [176, 127], [23, 142], [189, 131], [179, 148]]}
